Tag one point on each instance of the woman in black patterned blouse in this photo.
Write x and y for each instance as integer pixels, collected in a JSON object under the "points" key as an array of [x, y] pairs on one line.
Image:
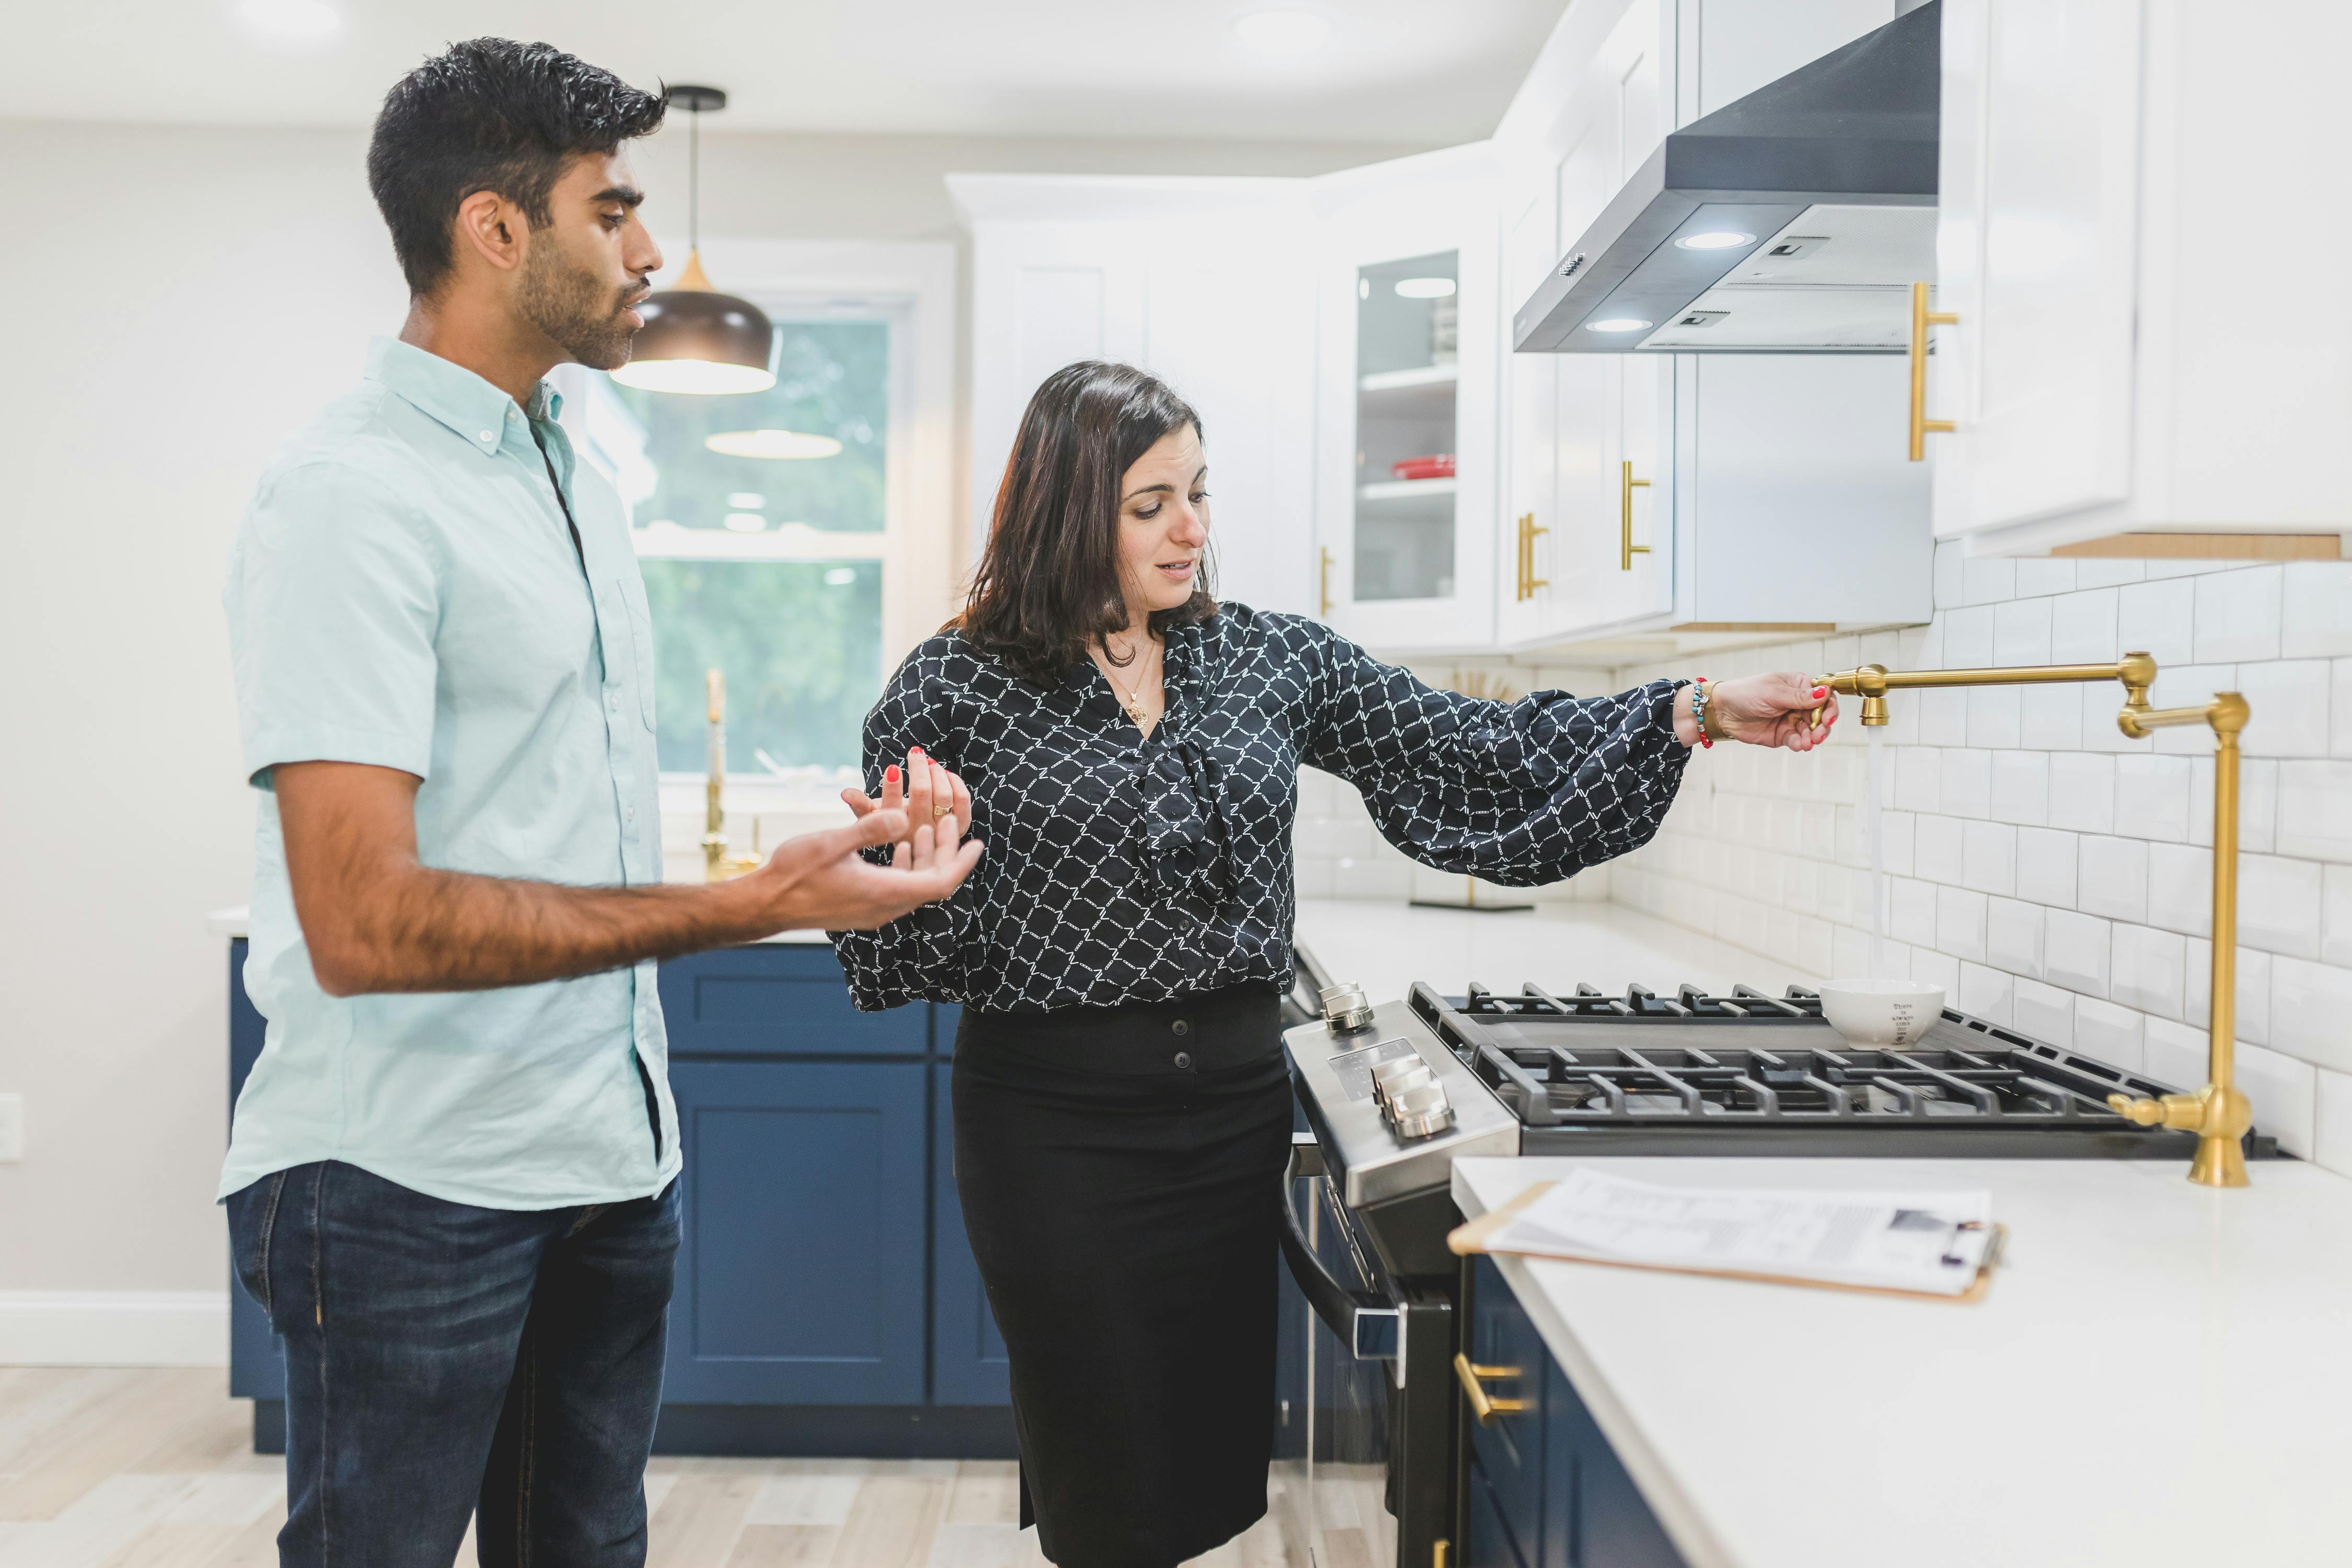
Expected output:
{"points": [[1128, 749]]}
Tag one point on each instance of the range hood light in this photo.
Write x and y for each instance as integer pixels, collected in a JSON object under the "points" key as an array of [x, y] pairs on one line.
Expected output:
{"points": [[1424, 288], [1718, 239], [1617, 325]]}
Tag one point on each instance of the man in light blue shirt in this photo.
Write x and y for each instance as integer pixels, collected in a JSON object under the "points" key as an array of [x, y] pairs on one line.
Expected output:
{"points": [[450, 1174]]}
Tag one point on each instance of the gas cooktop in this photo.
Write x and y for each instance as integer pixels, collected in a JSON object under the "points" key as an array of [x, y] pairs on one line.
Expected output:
{"points": [[1747, 1074]]}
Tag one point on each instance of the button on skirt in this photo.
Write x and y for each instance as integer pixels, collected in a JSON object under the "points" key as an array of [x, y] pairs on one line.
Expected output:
{"points": [[1120, 1171]]}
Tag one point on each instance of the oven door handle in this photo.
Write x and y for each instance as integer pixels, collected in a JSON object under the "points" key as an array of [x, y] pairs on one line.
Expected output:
{"points": [[1366, 1324]]}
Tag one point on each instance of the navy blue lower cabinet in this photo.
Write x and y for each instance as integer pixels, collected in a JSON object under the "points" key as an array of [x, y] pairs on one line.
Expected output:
{"points": [[779, 999], [1503, 1344], [969, 1365], [1489, 1543], [1595, 1516], [801, 1278]]}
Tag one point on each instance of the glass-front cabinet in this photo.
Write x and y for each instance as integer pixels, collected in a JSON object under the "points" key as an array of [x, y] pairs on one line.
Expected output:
{"points": [[1405, 446]]}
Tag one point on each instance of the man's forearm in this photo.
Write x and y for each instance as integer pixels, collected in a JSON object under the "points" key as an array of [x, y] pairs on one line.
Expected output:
{"points": [[426, 930]]}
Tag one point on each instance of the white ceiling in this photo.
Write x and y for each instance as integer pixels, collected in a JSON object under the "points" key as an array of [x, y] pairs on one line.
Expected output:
{"points": [[1394, 71]]}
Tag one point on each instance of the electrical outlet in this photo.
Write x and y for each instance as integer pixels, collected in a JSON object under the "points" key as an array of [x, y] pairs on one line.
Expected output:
{"points": [[12, 1129]]}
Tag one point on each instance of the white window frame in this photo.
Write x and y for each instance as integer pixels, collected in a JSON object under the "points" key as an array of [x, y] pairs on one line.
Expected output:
{"points": [[912, 285]]}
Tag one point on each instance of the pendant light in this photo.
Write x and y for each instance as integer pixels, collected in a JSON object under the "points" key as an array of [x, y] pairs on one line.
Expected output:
{"points": [[696, 339]]}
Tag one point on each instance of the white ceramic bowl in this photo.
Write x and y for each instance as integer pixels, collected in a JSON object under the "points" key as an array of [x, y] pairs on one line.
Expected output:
{"points": [[1893, 1014]]}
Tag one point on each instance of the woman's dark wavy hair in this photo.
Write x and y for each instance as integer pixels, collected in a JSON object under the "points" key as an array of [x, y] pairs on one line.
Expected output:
{"points": [[489, 114], [1047, 587]]}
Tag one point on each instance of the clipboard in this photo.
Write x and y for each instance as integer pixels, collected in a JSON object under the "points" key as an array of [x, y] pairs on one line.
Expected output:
{"points": [[1470, 1237]]}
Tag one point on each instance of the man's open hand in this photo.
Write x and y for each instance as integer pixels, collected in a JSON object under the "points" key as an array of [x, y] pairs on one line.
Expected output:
{"points": [[824, 880]]}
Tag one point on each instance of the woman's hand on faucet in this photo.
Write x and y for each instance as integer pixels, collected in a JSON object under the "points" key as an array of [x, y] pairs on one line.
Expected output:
{"points": [[1774, 710]]}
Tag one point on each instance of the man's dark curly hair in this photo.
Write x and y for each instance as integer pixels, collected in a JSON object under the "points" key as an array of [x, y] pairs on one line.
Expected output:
{"points": [[489, 114]]}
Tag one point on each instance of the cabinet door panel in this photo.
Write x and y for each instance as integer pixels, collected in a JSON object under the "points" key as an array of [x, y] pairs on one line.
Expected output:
{"points": [[777, 999], [801, 1276], [1490, 1544], [1509, 1449], [2037, 251], [969, 1365], [1595, 1517]]}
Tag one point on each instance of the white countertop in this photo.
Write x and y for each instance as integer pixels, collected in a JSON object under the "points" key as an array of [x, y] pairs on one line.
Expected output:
{"points": [[2160, 1374], [1387, 946], [233, 923]]}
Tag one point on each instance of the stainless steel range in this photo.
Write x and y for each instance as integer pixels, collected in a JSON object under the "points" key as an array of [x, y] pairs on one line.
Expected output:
{"points": [[1394, 1092]]}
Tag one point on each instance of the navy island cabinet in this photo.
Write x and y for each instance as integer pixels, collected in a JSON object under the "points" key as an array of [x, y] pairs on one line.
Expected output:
{"points": [[1546, 1489], [826, 1300]]}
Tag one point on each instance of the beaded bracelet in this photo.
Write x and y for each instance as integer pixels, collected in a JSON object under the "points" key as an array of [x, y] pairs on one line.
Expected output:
{"points": [[1698, 711]]}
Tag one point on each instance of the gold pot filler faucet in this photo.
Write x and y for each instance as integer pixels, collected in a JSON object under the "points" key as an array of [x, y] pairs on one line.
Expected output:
{"points": [[718, 866], [2219, 1113]]}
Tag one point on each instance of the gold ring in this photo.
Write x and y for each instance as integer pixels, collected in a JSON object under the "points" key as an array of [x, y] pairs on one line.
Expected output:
{"points": [[942, 811]]}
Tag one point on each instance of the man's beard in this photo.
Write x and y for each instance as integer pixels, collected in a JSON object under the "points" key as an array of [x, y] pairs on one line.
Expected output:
{"points": [[576, 308]]}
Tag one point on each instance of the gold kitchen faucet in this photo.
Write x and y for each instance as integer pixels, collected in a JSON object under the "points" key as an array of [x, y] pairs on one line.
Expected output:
{"points": [[2220, 1113]]}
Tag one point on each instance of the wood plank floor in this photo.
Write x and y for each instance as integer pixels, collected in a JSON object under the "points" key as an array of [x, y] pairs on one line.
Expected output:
{"points": [[116, 1467]]}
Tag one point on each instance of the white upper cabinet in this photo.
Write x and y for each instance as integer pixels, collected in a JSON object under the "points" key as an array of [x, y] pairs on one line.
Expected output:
{"points": [[1207, 283], [1683, 492], [2138, 200], [1408, 492]]}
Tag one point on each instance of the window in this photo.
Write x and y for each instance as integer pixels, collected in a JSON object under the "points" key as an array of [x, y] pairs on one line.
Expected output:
{"points": [[761, 523]]}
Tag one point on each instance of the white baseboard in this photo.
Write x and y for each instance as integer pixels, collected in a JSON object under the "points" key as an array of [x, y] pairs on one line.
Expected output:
{"points": [[113, 1328]]}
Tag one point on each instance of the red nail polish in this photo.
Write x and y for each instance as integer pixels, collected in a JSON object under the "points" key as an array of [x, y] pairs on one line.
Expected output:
{"points": [[1819, 692], [890, 774]]}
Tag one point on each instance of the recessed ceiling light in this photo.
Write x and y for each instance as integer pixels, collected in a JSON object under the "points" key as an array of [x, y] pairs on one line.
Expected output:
{"points": [[1283, 32], [746, 500], [1424, 288], [745, 521], [290, 18], [1719, 239], [770, 444], [1617, 325]]}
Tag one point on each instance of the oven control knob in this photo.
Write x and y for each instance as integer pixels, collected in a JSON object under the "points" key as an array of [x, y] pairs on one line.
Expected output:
{"points": [[1346, 1010], [1420, 1112]]}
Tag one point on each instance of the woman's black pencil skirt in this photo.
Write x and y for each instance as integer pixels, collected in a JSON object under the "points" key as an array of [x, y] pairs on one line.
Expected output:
{"points": [[1121, 1169]]}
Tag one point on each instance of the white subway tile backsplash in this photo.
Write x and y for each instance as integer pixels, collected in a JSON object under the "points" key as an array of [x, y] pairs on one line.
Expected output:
{"points": [[1938, 849], [2315, 810], [2014, 938], [2021, 632], [2020, 787], [2339, 709], [2238, 614], [1919, 778], [2283, 1090], [1943, 714], [2082, 792], [1987, 580], [2075, 951], [2113, 878], [2180, 888], [2157, 618], [2152, 797], [2331, 1133], [2110, 1032], [2106, 574], [2311, 1012], [1371, 878], [1961, 922], [2290, 701], [1332, 837], [1967, 638], [1936, 968], [1966, 789], [2257, 803], [1911, 914], [2317, 621], [1995, 716], [1987, 992], [2335, 916], [2043, 1011], [2083, 628], [1949, 564], [1989, 858], [2046, 861], [2050, 718], [2040, 575], [2147, 968], [2253, 989], [2279, 904]]}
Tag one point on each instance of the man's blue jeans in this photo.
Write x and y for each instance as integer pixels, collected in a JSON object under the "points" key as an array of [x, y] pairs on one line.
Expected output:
{"points": [[442, 1357]]}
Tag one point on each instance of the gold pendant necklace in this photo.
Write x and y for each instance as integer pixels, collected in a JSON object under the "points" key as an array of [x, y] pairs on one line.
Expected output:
{"points": [[1133, 700]]}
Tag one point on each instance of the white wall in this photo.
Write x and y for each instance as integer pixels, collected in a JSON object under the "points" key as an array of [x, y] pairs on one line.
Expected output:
{"points": [[181, 300], [2050, 873]]}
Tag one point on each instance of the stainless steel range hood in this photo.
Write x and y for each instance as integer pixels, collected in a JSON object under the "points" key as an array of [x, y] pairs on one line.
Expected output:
{"points": [[1792, 220]]}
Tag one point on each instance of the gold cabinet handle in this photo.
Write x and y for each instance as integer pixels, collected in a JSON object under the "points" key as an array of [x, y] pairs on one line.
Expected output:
{"points": [[1922, 319], [1484, 1405], [1323, 589], [1524, 584], [1626, 485]]}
